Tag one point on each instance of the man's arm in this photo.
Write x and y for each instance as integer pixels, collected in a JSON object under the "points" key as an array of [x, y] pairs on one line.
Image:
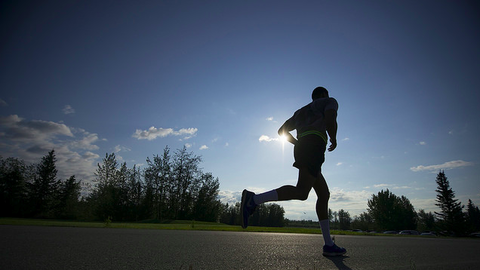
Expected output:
{"points": [[331, 125], [285, 129]]}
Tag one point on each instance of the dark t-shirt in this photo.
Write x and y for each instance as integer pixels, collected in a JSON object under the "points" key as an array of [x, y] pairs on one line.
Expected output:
{"points": [[312, 117]]}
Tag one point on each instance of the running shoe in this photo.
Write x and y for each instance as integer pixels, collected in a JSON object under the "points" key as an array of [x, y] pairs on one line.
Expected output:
{"points": [[247, 207], [333, 250]]}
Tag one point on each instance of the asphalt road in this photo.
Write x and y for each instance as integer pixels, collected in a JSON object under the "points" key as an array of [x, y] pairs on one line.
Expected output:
{"points": [[31, 247]]}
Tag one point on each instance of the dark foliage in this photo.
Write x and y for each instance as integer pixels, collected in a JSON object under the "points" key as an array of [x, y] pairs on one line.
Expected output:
{"points": [[390, 212], [268, 215]]}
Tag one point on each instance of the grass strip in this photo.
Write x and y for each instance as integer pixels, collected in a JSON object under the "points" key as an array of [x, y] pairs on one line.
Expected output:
{"points": [[169, 225]]}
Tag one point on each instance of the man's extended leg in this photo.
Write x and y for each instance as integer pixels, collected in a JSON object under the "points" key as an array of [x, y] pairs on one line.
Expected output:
{"points": [[323, 194]]}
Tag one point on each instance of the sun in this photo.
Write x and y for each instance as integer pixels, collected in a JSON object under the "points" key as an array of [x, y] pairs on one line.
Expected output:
{"points": [[283, 139]]}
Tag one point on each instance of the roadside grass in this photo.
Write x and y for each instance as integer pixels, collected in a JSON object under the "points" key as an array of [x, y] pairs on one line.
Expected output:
{"points": [[165, 225], [170, 225]]}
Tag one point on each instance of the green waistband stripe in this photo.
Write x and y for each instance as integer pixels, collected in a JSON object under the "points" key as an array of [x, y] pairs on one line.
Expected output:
{"points": [[313, 132]]}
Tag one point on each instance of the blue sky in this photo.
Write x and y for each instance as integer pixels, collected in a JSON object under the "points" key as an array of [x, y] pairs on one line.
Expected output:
{"points": [[94, 77]]}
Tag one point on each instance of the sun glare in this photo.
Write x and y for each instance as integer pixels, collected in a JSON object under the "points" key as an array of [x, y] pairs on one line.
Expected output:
{"points": [[283, 139]]}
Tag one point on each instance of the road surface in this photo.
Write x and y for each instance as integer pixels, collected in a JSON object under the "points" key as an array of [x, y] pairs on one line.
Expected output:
{"points": [[32, 247]]}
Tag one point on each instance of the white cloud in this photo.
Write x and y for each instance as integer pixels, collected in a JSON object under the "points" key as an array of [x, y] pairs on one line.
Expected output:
{"points": [[346, 139], [230, 197], [90, 155], [203, 147], [152, 133], [445, 166], [269, 119], [423, 143], [339, 163], [86, 142], [187, 145], [265, 138], [68, 109], [353, 201]]}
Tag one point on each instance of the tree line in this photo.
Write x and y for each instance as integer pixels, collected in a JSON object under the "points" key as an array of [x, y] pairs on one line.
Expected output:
{"points": [[170, 187], [389, 212], [174, 187], [268, 214]]}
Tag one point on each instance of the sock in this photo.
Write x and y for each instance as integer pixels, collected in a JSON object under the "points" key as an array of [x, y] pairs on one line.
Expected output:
{"points": [[325, 225], [265, 197]]}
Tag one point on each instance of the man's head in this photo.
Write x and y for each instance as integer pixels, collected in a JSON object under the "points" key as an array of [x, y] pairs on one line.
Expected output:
{"points": [[319, 92]]}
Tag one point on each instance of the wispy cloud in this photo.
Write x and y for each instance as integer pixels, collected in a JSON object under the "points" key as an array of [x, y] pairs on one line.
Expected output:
{"points": [[445, 166], [422, 143], [381, 185], [265, 138], [3, 103], [271, 119], [203, 147], [390, 186], [152, 133], [120, 148], [17, 128], [68, 109]]}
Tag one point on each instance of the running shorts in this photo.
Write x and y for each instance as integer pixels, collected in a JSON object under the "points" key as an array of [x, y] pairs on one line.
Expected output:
{"points": [[309, 152]]}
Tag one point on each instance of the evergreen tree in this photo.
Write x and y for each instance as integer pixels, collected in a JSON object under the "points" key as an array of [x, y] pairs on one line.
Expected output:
{"points": [[45, 187], [473, 217], [451, 216], [69, 195]]}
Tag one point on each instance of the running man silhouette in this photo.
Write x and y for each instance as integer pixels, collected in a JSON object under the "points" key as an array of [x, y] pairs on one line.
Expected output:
{"points": [[312, 123]]}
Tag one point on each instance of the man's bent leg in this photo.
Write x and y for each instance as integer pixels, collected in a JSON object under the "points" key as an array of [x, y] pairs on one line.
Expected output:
{"points": [[285, 193], [301, 190]]}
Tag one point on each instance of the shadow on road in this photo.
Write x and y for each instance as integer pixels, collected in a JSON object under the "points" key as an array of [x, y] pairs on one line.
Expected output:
{"points": [[339, 262]]}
